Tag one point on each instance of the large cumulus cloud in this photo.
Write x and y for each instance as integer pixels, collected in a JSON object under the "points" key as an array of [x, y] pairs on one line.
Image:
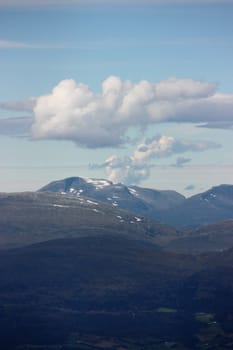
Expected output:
{"points": [[72, 111]]}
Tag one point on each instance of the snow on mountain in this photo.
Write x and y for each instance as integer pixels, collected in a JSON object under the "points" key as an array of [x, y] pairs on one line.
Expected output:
{"points": [[147, 202], [205, 208], [167, 206]]}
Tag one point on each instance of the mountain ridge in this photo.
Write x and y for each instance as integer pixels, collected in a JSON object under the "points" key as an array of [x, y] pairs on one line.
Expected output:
{"points": [[32, 217], [94, 207], [126, 197], [83, 268], [167, 206]]}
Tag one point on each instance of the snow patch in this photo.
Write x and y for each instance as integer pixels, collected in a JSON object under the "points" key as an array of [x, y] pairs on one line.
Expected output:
{"points": [[120, 218], [133, 191], [91, 202], [79, 193], [72, 190], [99, 184]]}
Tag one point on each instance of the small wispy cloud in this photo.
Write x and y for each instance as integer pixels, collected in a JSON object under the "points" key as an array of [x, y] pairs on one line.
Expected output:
{"points": [[6, 44], [106, 2], [19, 106], [181, 161], [9, 44], [16, 127], [87, 45], [189, 187], [226, 125], [165, 146]]}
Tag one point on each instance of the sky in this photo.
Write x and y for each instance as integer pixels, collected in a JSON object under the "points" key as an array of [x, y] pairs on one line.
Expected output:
{"points": [[138, 92]]}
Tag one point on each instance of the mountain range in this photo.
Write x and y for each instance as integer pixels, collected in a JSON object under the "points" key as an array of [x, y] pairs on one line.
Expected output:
{"points": [[77, 207], [33, 217], [86, 264], [169, 207]]}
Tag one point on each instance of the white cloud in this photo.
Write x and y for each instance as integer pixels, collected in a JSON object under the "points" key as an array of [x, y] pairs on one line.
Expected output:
{"points": [[127, 170], [72, 111], [134, 169], [165, 146]]}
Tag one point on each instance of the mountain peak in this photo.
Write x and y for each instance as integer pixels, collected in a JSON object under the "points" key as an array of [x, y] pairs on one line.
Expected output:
{"points": [[147, 202], [167, 206]]}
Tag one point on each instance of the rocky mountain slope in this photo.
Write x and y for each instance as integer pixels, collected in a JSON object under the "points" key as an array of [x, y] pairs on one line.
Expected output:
{"points": [[142, 201]]}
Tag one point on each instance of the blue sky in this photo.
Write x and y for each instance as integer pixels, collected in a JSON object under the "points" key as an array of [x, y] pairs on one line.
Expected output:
{"points": [[139, 92]]}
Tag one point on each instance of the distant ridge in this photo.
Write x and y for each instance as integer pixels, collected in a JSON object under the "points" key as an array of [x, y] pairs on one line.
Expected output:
{"points": [[205, 208], [33, 217]]}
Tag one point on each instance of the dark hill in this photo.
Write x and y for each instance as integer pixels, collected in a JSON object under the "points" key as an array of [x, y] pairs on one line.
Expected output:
{"points": [[214, 237], [112, 287], [28, 218]]}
